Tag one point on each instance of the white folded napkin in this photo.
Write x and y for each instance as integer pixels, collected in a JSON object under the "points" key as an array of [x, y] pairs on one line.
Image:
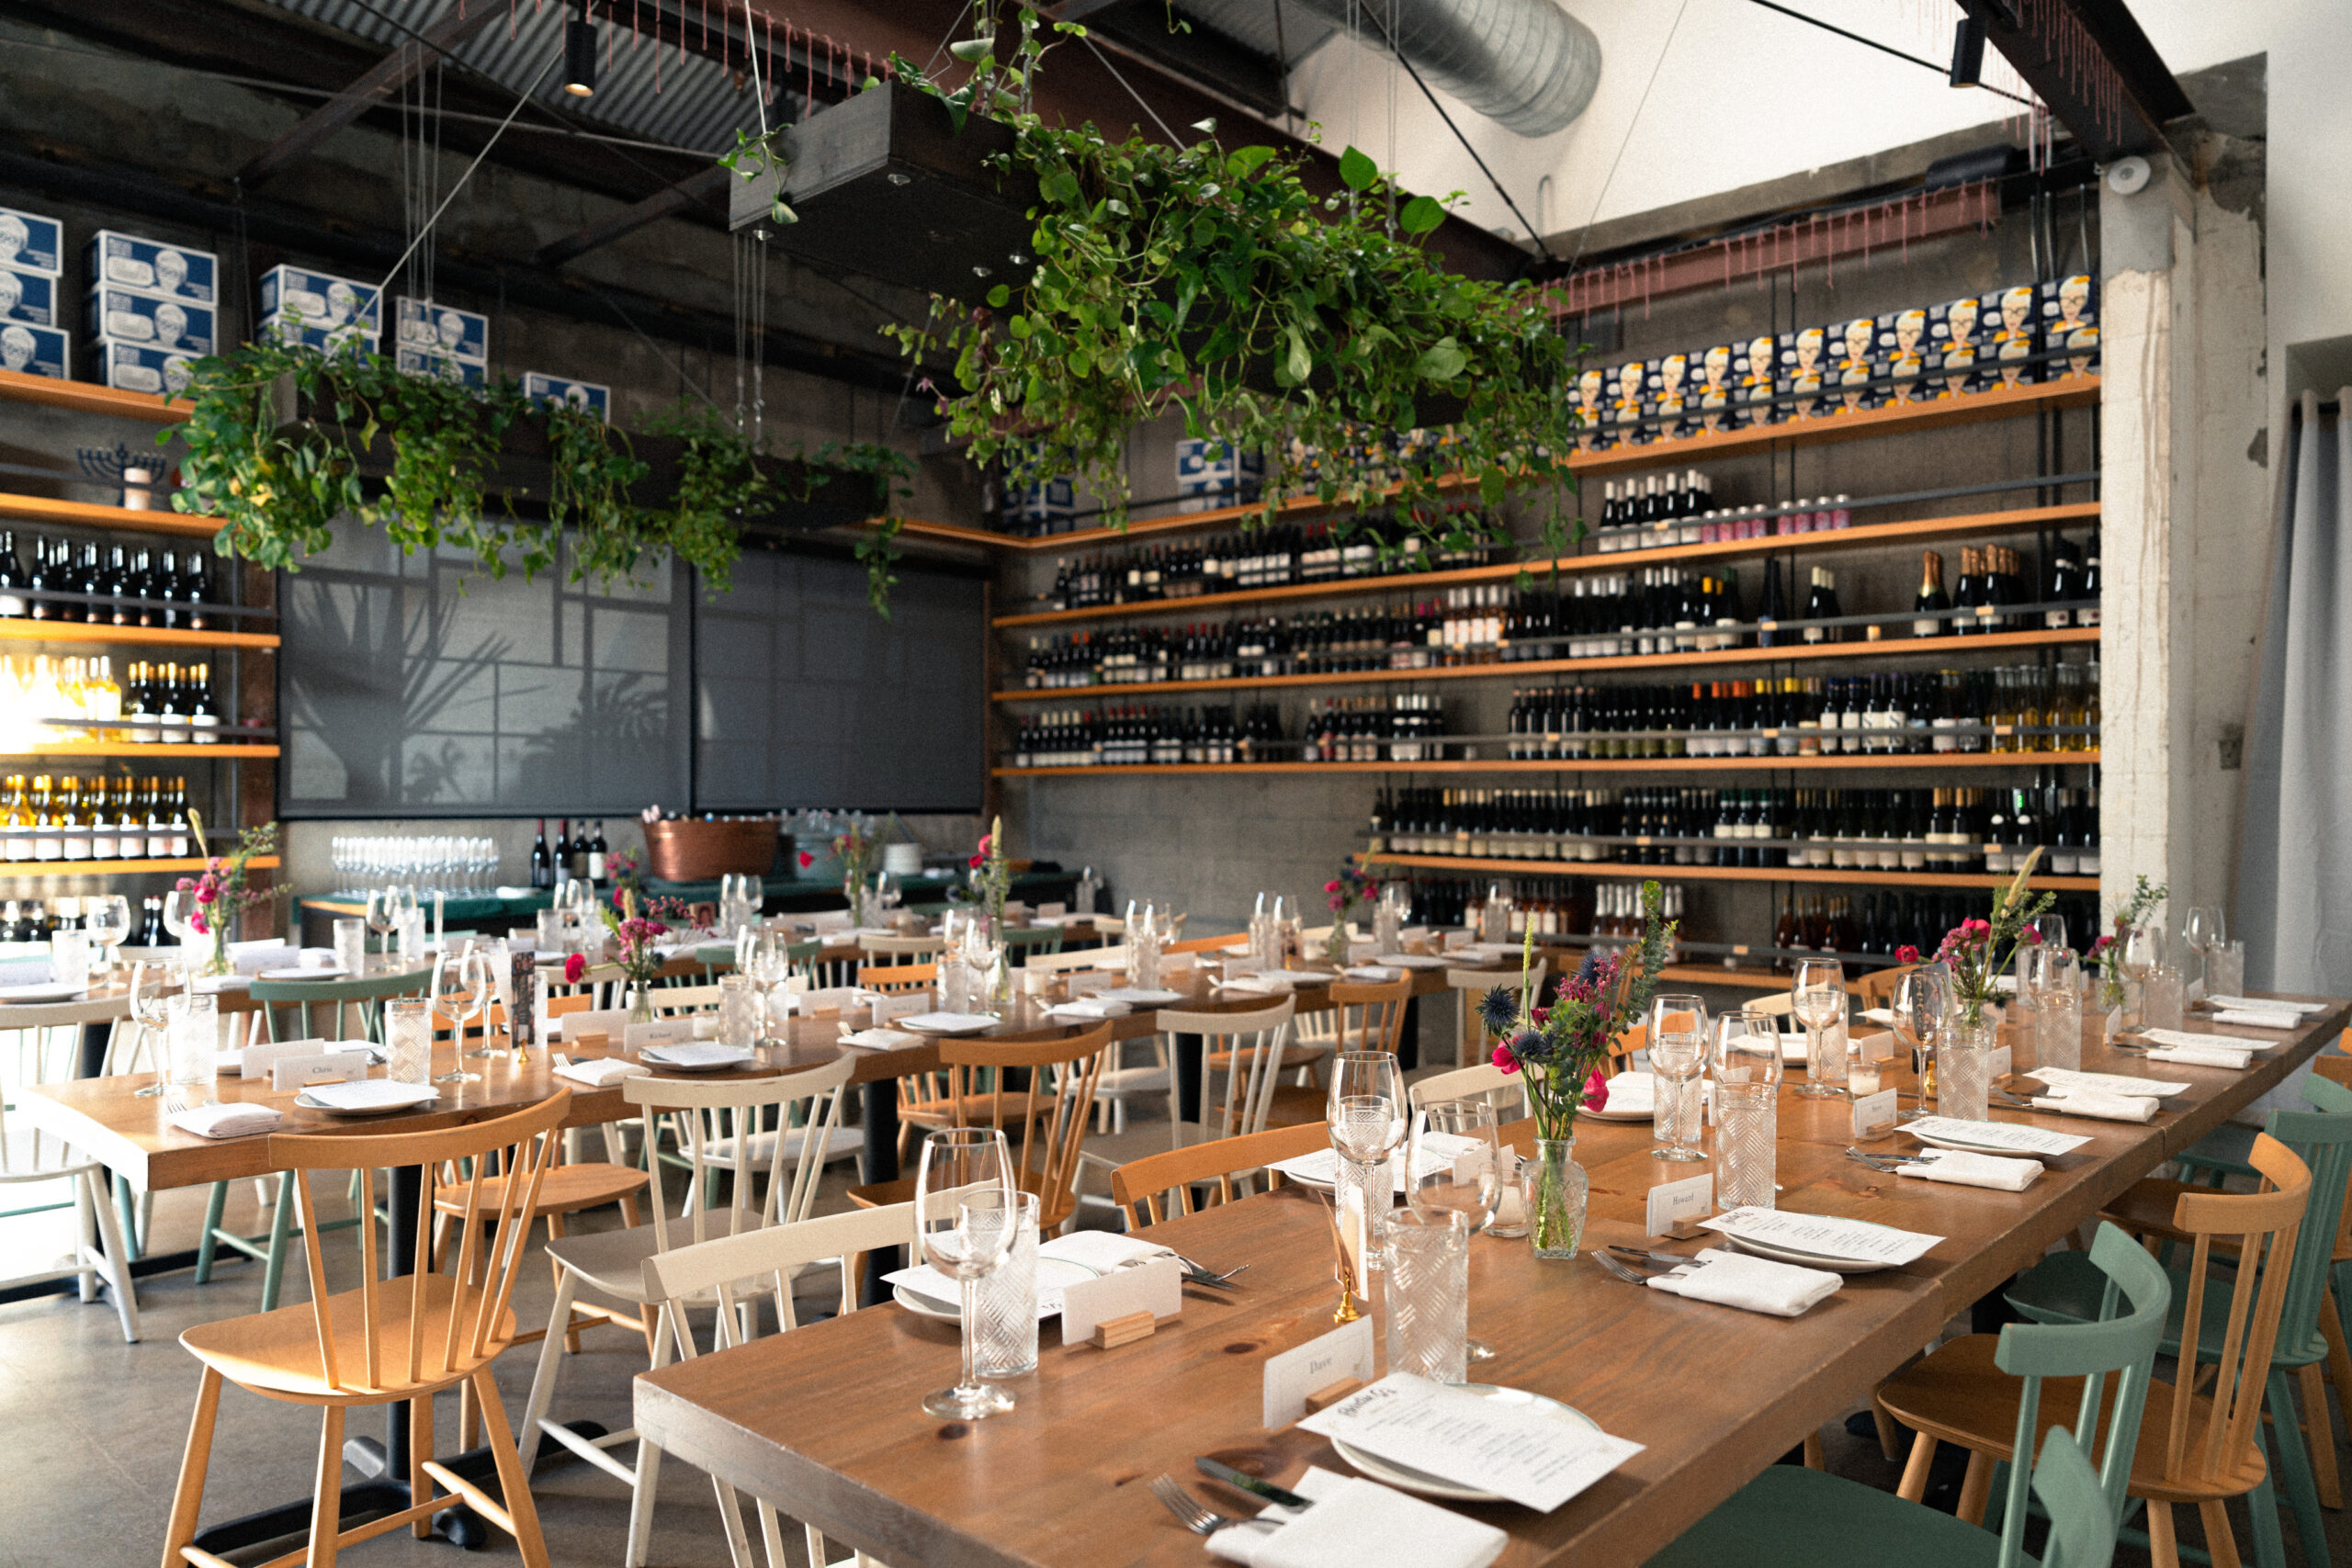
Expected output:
{"points": [[2259, 1018], [1753, 1284], [1371, 972], [1883, 1017], [1354, 1522], [2079, 1101], [372, 1094], [881, 1039], [1974, 1170], [2063, 1078], [1089, 1007], [1253, 986], [227, 1119], [2237, 1057], [2267, 1004], [2176, 1038], [601, 1071], [1629, 1092]]}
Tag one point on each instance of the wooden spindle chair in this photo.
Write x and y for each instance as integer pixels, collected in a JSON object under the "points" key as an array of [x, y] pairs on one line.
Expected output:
{"points": [[1251, 1046], [1139, 1186], [1472, 1044]]}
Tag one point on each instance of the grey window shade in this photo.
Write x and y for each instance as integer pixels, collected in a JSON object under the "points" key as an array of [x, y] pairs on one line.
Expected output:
{"points": [[803, 696]]}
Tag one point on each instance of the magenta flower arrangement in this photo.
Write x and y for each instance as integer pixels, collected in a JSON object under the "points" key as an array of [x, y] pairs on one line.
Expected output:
{"points": [[1979, 952], [1561, 1048]]}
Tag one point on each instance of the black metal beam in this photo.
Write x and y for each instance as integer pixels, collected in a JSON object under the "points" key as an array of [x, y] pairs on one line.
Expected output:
{"points": [[1207, 60], [706, 191], [387, 76], [2091, 63]]}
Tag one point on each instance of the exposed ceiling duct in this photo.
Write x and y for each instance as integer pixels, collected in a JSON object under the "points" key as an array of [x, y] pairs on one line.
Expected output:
{"points": [[1525, 64]]}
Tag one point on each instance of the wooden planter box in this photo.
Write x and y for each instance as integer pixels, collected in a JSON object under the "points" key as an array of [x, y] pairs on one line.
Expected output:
{"points": [[690, 851]]}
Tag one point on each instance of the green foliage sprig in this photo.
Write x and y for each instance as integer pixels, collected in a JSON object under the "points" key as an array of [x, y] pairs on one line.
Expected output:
{"points": [[1217, 284]]}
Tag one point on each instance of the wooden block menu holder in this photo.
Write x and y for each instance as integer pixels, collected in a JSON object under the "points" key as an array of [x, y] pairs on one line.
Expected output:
{"points": [[1124, 1329]]}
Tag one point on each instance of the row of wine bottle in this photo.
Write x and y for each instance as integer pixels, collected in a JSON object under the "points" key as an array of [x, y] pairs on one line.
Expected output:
{"points": [[74, 698], [159, 587], [44, 817], [1268, 558], [581, 857]]}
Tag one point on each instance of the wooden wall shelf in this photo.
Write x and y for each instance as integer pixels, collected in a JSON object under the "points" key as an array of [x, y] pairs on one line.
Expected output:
{"points": [[87, 397], [114, 519], [1882, 763], [14, 630], [222, 749], [63, 868], [1921, 531], [1622, 871], [1892, 648]]}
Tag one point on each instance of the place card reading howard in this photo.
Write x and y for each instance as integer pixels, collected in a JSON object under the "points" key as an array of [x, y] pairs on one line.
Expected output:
{"points": [[1513, 1448], [2009, 1137], [1824, 1235]]}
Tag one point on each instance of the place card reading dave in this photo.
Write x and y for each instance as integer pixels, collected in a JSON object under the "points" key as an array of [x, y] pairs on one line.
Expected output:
{"points": [[1345, 1352], [1512, 1448], [1825, 1235], [2010, 1137]]}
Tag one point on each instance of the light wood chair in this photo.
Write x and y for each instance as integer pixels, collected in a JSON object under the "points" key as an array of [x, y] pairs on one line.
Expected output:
{"points": [[2335, 1305], [45, 1041], [1070, 963], [898, 979], [1138, 1186], [734, 1270], [1363, 1016], [1877, 988], [716, 1124], [1505, 1091], [1781, 1003], [1206, 944], [1470, 987], [901, 949], [1250, 1044], [677, 1002], [1049, 1113], [2195, 1449], [404, 1339]]}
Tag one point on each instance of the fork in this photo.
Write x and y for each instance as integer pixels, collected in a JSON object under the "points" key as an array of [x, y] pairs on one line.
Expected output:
{"points": [[1189, 1510], [1617, 1269]]}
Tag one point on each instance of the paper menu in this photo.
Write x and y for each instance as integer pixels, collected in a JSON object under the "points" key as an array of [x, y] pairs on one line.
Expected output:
{"points": [[1825, 1235], [1102, 1250], [2107, 1083], [2266, 1004], [2182, 1037], [1505, 1443], [2010, 1137]]}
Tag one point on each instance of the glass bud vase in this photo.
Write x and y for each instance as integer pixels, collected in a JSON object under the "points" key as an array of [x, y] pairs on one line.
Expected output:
{"points": [[1555, 1189], [216, 961], [1336, 945], [640, 1002]]}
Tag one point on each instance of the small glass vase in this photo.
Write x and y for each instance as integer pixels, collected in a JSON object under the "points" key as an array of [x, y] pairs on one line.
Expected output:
{"points": [[1336, 946], [640, 1002], [216, 959], [1555, 1189]]}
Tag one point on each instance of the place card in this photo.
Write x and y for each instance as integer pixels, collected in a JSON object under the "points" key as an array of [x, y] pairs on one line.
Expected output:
{"points": [[1873, 1115], [1511, 1447], [253, 1061], [1157, 1287], [567, 1027], [2009, 1137], [1825, 1235], [661, 1031], [1674, 1204], [1999, 1062], [887, 1008], [1345, 1352], [323, 1067]]}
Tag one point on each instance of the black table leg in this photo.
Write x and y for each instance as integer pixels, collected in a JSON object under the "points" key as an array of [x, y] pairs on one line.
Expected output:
{"points": [[1408, 1038], [881, 1103], [1186, 1049]]}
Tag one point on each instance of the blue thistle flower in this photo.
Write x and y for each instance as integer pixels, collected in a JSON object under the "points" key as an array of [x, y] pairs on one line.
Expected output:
{"points": [[1499, 1009]]}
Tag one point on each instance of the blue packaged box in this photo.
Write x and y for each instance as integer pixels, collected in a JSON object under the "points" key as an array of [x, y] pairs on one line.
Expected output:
{"points": [[1955, 346], [1591, 402], [585, 395], [350, 338], [1806, 366], [1210, 472], [121, 315], [1667, 388], [2012, 337], [319, 300], [445, 367], [31, 243], [1047, 502], [152, 266], [28, 297], [1854, 351], [1626, 386], [35, 351], [1754, 371], [1713, 385], [443, 329], [132, 368], [2070, 323], [1901, 355]]}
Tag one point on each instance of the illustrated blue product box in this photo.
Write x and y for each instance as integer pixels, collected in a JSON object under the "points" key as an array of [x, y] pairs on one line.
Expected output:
{"points": [[588, 395], [443, 329], [134, 368], [123, 315], [1956, 347], [31, 243], [1903, 352], [1665, 387], [1049, 500], [1806, 367], [35, 351], [152, 266], [2070, 321], [1755, 378], [320, 300], [1853, 363], [350, 338], [2012, 332], [28, 297], [1714, 386], [446, 366], [1210, 472]]}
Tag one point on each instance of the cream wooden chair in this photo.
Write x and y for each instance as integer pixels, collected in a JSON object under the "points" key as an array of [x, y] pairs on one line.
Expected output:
{"points": [[1071, 963], [735, 1271], [1876, 990], [1470, 986], [678, 1001], [42, 1042], [901, 949], [716, 1124], [1250, 1045], [404, 1339], [1506, 1092], [896, 979], [1139, 1186]]}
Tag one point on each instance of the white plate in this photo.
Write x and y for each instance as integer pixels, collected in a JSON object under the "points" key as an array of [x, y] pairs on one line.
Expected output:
{"points": [[948, 1022], [416, 1097], [709, 1059], [1053, 1273], [1806, 1259], [327, 974], [1649, 1114], [1407, 1479], [46, 992]]}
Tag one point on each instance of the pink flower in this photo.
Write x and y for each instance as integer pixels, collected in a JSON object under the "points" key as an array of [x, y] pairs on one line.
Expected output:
{"points": [[1906, 955], [574, 966], [1596, 1092], [987, 842], [1505, 1060], [2031, 935], [1337, 903], [1333, 885], [1537, 1016], [206, 893], [807, 860], [977, 860], [1979, 928]]}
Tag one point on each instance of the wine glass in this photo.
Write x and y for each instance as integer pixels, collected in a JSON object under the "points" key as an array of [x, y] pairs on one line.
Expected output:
{"points": [[2204, 931], [179, 919], [2143, 950], [1922, 1010], [151, 1007], [766, 958], [1454, 1159], [1365, 1108], [460, 991], [1678, 1050], [108, 919], [381, 913], [1818, 992], [967, 1213], [2051, 927]]}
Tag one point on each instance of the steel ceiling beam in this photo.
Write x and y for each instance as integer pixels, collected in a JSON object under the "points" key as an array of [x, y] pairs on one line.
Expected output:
{"points": [[2089, 60], [706, 190], [387, 76]]}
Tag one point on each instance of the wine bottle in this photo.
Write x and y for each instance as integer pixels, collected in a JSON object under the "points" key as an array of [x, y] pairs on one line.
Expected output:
{"points": [[2087, 612], [203, 711], [37, 580], [13, 604], [196, 592], [542, 868], [1932, 599], [597, 851]]}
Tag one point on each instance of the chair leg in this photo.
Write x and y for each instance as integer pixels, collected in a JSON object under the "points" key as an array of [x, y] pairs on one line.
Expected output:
{"points": [[2319, 1434], [2220, 1543], [127, 1207], [420, 1448], [207, 1238], [86, 1235], [1813, 1460], [649, 1462], [118, 1259], [571, 1329], [193, 1462], [281, 1230], [1887, 1430], [1973, 1488], [512, 1482], [2162, 1547], [1913, 1488], [2294, 1470], [326, 1502], [543, 1381], [2262, 1508]]}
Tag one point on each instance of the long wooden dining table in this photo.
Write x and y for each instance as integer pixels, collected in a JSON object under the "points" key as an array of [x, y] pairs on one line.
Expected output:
{"points": [[826, 1422]]}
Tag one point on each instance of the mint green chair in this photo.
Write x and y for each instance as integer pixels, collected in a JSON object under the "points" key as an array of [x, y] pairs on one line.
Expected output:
{"points": [[1794, 1517], [2059, 1289], [1022, 941]]}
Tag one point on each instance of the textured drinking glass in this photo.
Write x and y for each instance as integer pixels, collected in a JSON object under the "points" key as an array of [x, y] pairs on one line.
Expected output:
{"points": [[1005, 1305], [1965, 1072], [196, 1038], [69, 959], [2058, 1040], [1748, 1093], [1818, 994], [2226, 969], [1428, 1258], [964, 1200], [2163, 996], [408, 1040], [351, 945], [550, 924], [1454, 1159], [738, 1011]]}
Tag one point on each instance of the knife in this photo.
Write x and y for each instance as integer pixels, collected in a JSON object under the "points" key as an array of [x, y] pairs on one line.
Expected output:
{"points": [[1671, 1259], [1251, 1484]]}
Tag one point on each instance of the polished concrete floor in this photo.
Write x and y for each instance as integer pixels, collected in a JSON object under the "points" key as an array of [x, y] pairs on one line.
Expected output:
{"points": [[92, 1429]]}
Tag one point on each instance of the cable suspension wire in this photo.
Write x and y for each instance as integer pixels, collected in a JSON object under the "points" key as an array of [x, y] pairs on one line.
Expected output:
{"points": [[466, 176]]}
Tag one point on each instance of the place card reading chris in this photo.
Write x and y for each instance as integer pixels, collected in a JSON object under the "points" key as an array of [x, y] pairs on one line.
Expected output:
{"points": [[1825, 1235], [1511, 1447], [2009, 1137]]}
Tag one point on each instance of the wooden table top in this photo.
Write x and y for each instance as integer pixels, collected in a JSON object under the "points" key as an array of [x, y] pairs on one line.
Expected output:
{"points": [[826, 1422]]}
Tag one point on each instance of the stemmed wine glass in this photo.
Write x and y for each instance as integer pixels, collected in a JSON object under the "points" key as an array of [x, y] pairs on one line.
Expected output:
{"points": [[383, 912], [1819, 994], [1454, 1160], [766, 958], [1922, 1010], [1365, 1109], [150, 1005], [460, 990], [179, 918], [968, 1213], [2205, 931], [1678, 1050], [2143, 950], [108, 919]]}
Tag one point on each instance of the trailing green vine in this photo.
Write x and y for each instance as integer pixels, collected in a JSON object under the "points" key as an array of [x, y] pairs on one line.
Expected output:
{"points": [[1216, 283]]}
